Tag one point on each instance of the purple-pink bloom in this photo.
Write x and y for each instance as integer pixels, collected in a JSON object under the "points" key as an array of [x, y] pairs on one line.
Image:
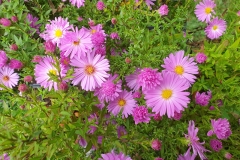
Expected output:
{"points": [[149, 3], [201, 57], [114, 35], [156, 145], [149, 78], [113, 156], [215, 28], [76, 43], [100, 50], [163, 10], [98, 38], [15, 64], [203, 99], [141, 115], [193, 141], [238, 13], [204, 10], [100, 5], [37, 59], [22, 87], [109, 90], [187, 155], [221, 128], [82, 142], [14, 47], [28, 78], [132, 80], [168, 96], [228, 155], [177, 116], [216, 145], [136, 94], [182, 66], [33, 20], [5, 22], [157, 117], [90, 71], [5, 156], [77, 3], [121, 131], [3, 58], [8, 78], [49, 46], [14, 18], [124, 102]]}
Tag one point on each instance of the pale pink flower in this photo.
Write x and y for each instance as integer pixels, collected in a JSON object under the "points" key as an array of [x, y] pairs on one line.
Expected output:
{"points": [[204, 10], [8, 78]]}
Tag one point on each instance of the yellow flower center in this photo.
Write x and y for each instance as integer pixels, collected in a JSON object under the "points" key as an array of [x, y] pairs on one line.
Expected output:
{"points": [[6, 78], [58, 33], [89, 69], [53, 71], [93, 31], [121, 102], [179, 70], [208, 10], [76, 43], [215, 27], [166, 94]]}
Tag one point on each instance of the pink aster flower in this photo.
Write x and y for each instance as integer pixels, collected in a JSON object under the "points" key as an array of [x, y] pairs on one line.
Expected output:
{"points": [[221, 128], [109, 90], [121, 131], [149, 78], [98, 38], [168, 96], [193, 139], [76, 43], [204, 10], [163, 10], [184, 67], [44, 69], [56, 30], [156, 145], [187, 156], [113, 156], [124, 102], [3, 58], [132, 80], [77, 3], [15, 64], [100, 5], [201, 57], [100, 50], [203, 99], [140, 114], [91, 71], [216, 145], [215, 28], [8, 78]]}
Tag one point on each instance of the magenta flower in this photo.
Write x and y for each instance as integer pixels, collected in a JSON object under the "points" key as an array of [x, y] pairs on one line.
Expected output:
{"points": [[132, 80], [221, 128], [109, 90], [91, 71], [82, 142], [56, 30], [121, 131], [76, 43], [49, 46], [14, 47], [163, 10], [187, 156], [193, 141], [98, 38], [150, 3], [124, 102], [204, 10], [3, 58], [14, 18], [157, 117], [22, 87], [177, 116], [77, 3], [8, 78], [201, 57], [15, 64], [100, 50], [28, 78], [33, 20], [238, 13], [203, 99], [5, 156], [156, 145], [5, 22], [168, 96], [149, 78], [37, 59], [100, 5], [184, 67], [215, 28], [216, 145], [141, 115], [44, 69], [136, 94], [228, 155], [113, 156], [114, 35]]}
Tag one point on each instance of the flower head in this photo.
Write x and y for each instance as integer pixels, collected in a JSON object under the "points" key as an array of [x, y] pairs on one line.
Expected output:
{"points": [[121, 131], [114, 35], [14, 47], [204, 10], [228, 155], [33, 20], [184, 67], [156, 144], [77, 3], [187, 156], [90, 71], [113, 156], [82, 142], [100, 5], [15, 64], [8, 78], [5, 156], [136, 94], [163, 10], [221, 128], [168, 96], [203, 99], [37, 59], [177, 116], [5, 22], [14, 18], [157, 117], [140, 114], [124, 102], [150, 3], [22, 87], [3, 58], [109, 90], [98, 38], [215, 28], [49, 46], [216, 145], [193, 139], [132, 80], [201, 57], [28, 78]]}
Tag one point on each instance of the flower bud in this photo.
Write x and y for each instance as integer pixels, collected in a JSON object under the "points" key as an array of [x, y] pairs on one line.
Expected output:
{"points": [[14, 47], [14, 18], [15, 64], [91, 23], [63, 86], [100, 5], [37, 59], [228, 156], [28, 78], [128, 60], [156, 144], [5, 22], [114, 21], [22, 87], [49, 47]]}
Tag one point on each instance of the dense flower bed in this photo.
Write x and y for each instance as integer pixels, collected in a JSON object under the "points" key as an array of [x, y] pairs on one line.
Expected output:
{"points": [[119, 80]]}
